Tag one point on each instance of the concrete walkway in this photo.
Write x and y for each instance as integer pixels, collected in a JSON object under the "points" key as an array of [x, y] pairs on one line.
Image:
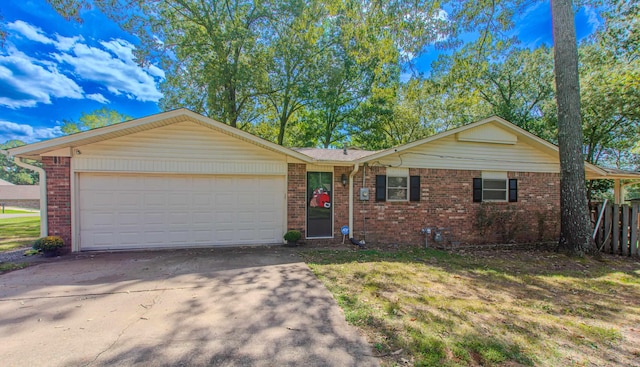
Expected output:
{"points": [[235, 307]]}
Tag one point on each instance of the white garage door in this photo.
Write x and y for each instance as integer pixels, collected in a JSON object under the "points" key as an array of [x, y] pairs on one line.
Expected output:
{"points": [[125, 211]]}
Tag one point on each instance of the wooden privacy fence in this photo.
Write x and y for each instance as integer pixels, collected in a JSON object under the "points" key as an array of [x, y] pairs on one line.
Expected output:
{"points": [[618, 229]]}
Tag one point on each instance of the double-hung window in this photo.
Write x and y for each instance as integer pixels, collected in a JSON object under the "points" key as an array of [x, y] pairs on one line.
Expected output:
{"points": [[496, 187], [397, 185]]}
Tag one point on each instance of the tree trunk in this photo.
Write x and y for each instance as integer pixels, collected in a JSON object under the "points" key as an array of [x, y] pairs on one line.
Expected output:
{"points": [[575, 224]]}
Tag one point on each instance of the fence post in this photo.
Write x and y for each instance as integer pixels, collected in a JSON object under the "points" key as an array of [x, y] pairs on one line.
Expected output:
{"points": [[633, 244], [615, 239], [608, 229], [598, 236], [625, 230]]}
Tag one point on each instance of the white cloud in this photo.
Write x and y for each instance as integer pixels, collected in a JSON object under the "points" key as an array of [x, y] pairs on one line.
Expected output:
{"points": [[98, 98], [28, 134], [25, 81], [155, 71], [36, 34], [65, 43], [116, 70], [592, 18], [30, 32]]}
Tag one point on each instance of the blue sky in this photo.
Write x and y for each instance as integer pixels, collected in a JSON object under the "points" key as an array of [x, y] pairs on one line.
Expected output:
{"points": [[53, 70]]}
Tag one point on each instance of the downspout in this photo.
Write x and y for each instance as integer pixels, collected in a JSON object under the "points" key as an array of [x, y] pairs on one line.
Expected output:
{"points": [[44, 230], [356, 167]]}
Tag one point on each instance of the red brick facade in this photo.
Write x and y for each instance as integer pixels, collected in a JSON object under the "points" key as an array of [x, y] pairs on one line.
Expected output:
{"points": [[296, 197], [58, 171], [446, 201]]}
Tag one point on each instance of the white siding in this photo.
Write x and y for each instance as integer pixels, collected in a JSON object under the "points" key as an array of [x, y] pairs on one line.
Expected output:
{"points": [[319, 168], [183, 147], [450, 153], [488, 134]]}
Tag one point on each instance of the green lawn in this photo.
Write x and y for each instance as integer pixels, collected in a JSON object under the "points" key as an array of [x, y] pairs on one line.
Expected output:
{"points": [[492, 308], [15, 211], [18, 232]]}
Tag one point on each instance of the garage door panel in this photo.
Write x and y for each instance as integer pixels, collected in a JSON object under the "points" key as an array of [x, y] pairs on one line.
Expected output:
{"points": [[152, 237], [128, 219], [118, 211]]}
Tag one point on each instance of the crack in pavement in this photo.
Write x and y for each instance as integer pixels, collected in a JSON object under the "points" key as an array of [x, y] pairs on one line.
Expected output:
{"points": [[147, 308], [99, 294]]}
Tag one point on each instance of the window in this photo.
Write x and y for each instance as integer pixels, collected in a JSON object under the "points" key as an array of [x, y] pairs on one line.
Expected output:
{"points": [[494, 190], [397, 185], [495, 186], [397, 188]]}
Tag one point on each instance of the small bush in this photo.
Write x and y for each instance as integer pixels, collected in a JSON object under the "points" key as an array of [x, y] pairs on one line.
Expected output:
{"points": [[292, 235], [49, 243]]}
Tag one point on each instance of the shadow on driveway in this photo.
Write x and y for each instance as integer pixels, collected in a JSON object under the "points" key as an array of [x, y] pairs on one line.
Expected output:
{"points": [[220, 307]]}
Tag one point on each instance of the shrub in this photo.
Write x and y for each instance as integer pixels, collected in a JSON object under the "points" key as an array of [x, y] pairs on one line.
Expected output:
{"points": [[49, 243], [292, 235]]}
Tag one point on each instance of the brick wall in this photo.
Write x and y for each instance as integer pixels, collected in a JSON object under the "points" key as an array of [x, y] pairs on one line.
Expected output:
{"points": [[340, 201], [445, 201], [296, 197], [58, 170]]}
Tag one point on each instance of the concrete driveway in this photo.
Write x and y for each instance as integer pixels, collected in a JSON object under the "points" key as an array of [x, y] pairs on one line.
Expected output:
{"points": [[233, 307]]}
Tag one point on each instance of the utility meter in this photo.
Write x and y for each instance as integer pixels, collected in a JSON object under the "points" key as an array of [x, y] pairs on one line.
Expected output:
{"points": [[364, 193]]}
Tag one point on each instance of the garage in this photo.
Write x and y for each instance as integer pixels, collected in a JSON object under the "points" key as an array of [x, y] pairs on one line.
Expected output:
{"points": [[135, 210], [176, 179]]}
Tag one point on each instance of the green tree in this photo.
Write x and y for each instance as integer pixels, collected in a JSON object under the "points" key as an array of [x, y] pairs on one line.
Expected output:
{"points": [[300, 42], [214, 53], [610, 92], [11, 172], [513, 83], [93, 120]]}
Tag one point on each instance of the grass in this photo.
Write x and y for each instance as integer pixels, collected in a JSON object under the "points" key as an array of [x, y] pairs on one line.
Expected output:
{"points": [[15, 211], [11, 266], [18, 232], [492, 308]]}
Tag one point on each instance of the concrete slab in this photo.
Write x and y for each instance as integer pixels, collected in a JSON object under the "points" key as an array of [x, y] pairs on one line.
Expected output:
{"points": [[221, 307]]}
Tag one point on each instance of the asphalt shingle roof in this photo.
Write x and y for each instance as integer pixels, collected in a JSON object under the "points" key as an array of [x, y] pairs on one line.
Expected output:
{"points": [[335, 154]]}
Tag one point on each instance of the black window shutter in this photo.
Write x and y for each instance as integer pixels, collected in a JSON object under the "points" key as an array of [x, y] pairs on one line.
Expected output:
{"points": [[414, 188], [513, 190], [381, 188], [477, 190]]}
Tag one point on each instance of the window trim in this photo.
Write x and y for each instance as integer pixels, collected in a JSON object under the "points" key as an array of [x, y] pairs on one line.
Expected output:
{"points": [[510, 188], [504, 190], [405, 188], [397, 172]]}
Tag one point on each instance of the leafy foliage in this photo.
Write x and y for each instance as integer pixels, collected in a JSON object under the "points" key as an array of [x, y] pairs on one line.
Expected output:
{"points": [[93, 120], [11, 172], [48, 243], [292, 235]]}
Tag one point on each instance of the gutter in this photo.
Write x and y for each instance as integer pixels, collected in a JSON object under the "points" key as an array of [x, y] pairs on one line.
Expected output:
{"points": [[356, 167], [44, 230]]}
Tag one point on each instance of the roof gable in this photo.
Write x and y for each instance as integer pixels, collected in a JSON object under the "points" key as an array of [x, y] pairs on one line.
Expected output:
{"points": [[505, 132], [487, 133], [182, 140], [35, 150]]}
